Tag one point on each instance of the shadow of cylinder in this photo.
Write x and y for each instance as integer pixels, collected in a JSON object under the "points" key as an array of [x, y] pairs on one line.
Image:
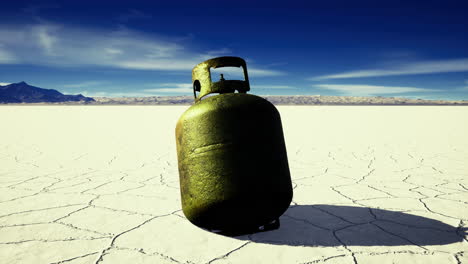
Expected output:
{"points": [[335, 225]]}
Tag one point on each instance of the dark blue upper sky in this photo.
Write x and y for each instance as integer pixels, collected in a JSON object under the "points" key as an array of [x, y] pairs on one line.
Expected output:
{"points": [[416, 49]]}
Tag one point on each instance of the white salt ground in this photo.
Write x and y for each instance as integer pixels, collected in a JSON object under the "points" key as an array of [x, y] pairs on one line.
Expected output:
{"points": [[99, 184]]}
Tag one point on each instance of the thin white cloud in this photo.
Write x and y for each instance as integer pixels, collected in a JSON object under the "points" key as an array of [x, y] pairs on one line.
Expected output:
{"points": [[465, 88], [219, 52], [272, 87], [170, 90], [3, 84], [84, 84], [364, 89], [45, 37], [112, 51], [114, 94], [161, 64], [237, 72], [183, 88], [107, 89], [422, 67], [60, 45], [229, 73], [6, 57], [263, 72]]}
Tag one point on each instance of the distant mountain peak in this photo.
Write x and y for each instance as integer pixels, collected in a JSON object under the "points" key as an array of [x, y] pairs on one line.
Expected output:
{"points": [[24, 93]]}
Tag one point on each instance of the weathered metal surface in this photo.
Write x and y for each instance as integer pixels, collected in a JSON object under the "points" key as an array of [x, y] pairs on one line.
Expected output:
{"points": [[201, 77], [232, 159]]}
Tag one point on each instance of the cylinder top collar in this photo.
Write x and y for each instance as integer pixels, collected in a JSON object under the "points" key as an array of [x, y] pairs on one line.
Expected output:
{"points": [[201, 77]]}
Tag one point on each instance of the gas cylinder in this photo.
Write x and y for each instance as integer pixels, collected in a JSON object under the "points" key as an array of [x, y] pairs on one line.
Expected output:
{"points": [[232, 161]]}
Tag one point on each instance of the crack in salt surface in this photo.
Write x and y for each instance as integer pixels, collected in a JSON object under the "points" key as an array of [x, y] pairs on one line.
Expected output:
{"points": [[362, 167], [141, 251], [104, 252], [75, 258], [396, 235], [37, 210], [344, 244], [54, 240], [326, 259], [230, 252]]}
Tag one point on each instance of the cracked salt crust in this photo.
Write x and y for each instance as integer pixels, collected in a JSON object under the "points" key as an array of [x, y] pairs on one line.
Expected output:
{"points": [[99, 184]]}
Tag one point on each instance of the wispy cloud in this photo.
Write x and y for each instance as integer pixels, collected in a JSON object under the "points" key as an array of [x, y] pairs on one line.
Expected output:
{"points": [[107, 89], [84, 84], [46, 38], [156, 64], [170, 90], [52, 44], [422, 67], [235, 73], [6, 57], [364, 89], [183, 88], [273, 87], [60, 45], [3, 84], [113, 94], [218, 52], [264, 72]]}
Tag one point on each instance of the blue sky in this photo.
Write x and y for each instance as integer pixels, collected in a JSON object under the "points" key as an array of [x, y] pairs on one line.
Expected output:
{"points": [[414, 49]]}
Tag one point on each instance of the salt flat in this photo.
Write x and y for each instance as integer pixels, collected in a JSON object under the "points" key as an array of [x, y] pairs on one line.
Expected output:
{"points": [[99, 184]]}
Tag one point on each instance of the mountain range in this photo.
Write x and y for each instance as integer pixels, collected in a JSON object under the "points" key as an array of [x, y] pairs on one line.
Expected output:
{"points": [[24, 93], [282, 100]]}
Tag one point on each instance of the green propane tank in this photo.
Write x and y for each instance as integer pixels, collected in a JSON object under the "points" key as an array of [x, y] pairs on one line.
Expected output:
{"points": [[233, 167]]}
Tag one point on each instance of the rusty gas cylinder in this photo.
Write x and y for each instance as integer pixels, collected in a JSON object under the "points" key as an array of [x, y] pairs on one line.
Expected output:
{"points": [[233, 167]]}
